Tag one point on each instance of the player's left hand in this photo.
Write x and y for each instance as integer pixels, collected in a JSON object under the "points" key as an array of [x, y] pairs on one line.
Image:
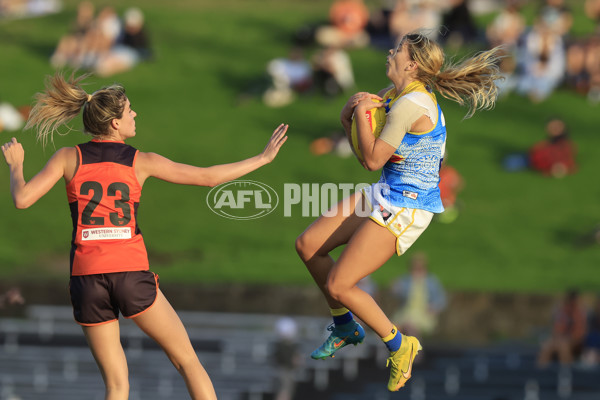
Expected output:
{"points": [[277, 140]]}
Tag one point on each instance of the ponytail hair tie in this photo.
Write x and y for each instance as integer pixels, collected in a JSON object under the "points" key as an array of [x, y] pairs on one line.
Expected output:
{"points": [[89, 98]]}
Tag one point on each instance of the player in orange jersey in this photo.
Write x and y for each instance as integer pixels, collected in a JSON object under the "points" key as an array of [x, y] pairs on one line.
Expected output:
{"points": [[109, 264]]}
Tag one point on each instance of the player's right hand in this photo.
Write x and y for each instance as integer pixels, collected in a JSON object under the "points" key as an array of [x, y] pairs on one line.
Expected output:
{"points": [[355, 99], [13, 152]]}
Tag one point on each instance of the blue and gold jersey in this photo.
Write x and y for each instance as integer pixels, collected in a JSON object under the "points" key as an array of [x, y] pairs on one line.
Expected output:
{"points": [[412, 173]]}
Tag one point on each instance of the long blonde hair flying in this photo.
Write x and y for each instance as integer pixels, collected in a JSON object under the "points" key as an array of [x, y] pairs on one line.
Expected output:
{"points": [[471, 82], [64, 98]]}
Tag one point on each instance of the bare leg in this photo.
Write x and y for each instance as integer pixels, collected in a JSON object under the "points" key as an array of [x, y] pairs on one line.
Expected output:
{"points": [[162, 324], [105, 342], [368, 249], [324, 235]]}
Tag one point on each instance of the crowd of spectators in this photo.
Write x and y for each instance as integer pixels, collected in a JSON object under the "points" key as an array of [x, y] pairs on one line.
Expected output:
{"points": [[545, 55], [540, 55], [351, 25]]}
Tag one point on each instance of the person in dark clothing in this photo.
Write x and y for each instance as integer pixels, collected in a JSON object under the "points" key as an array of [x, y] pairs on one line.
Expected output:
{"points": [[132, 47], [459, 24]]}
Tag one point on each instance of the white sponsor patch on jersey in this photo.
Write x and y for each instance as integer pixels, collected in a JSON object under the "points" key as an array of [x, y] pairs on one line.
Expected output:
{"points": [[410, 195], [106, 233]]}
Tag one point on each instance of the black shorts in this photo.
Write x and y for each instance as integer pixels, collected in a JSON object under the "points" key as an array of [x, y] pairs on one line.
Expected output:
{"points": [[98, 298]]}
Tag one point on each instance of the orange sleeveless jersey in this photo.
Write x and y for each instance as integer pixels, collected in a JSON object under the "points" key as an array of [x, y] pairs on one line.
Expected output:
{"points": [[104, 196]]}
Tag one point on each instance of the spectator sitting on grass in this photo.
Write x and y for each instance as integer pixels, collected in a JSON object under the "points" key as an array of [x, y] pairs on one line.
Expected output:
{"points": [[543, 60], [554, 156], [132, 47], [288, 76], [72, 46], [90, 40]]}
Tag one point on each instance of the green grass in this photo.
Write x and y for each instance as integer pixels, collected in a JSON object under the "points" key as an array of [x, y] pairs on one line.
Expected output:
{"points": [[516, 233]]}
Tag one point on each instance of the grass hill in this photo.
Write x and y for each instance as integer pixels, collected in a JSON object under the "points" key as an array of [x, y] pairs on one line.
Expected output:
{"points": [[518, 232]]}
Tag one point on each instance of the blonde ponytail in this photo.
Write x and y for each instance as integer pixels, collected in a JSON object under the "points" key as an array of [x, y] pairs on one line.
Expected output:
{"points": [[63, 100], [471, 82], [58, 105]]}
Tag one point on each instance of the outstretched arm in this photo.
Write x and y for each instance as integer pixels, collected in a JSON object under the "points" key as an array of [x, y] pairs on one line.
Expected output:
{"points": [[152, 164], [24, 193]]}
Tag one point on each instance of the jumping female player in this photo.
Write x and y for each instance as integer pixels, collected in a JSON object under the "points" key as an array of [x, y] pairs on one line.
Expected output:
{"points": [[400, 206], [109, 264]]}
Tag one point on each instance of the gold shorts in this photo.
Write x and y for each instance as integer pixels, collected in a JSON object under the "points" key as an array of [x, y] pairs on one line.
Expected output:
{"points": [[406, 224]]}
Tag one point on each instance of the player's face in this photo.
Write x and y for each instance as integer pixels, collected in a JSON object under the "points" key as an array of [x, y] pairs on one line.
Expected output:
{"points": [[127, 121], [397, 61]]}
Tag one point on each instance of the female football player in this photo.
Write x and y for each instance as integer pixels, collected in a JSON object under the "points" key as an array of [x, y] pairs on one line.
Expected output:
{"points": [[109, 265], [389, 216]]}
